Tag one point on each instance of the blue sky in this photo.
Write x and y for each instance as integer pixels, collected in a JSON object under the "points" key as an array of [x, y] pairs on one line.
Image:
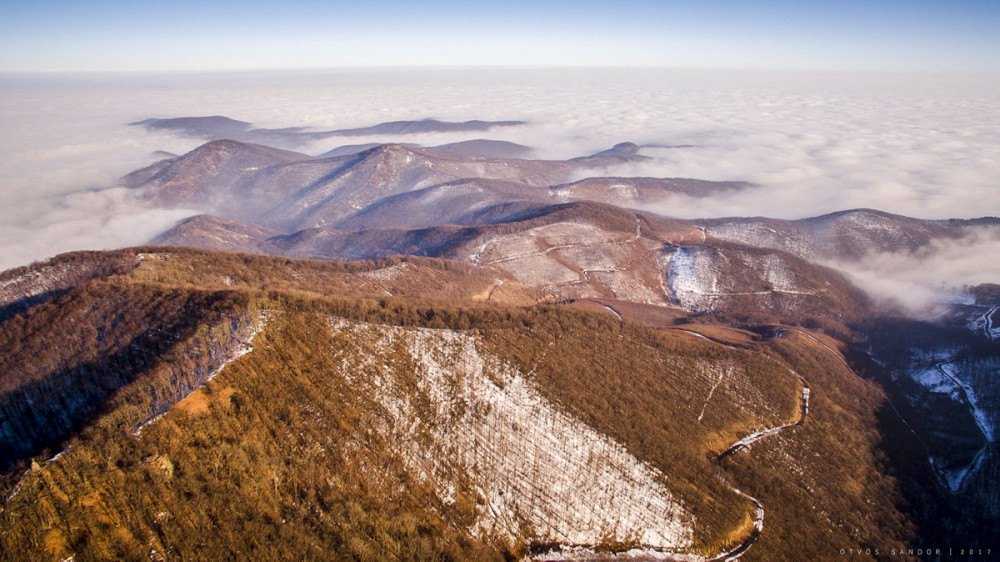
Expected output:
{"points": [[116, 35]]}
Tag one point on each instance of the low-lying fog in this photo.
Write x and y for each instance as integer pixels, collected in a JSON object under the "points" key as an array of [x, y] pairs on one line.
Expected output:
{"points": [[922, 146]]}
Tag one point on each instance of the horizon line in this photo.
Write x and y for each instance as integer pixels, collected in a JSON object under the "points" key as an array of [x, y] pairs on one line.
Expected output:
{"points": [[499, 67]]}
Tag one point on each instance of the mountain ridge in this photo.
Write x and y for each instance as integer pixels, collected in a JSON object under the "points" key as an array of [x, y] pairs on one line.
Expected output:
{"points": [[218, 127], [317, 315]]}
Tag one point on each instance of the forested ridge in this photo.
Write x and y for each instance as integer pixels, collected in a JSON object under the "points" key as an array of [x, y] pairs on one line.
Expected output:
{"points": [[276, 456]]}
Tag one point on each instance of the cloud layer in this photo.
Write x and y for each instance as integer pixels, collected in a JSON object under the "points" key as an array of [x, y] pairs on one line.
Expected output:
{"points": [[921, 282], [921, 146]]}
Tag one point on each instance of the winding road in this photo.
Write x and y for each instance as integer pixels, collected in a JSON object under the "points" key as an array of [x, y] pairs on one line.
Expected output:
{"points": [[758, 528], [969, 397], [988, 322], [744, 443], [496, 285]]}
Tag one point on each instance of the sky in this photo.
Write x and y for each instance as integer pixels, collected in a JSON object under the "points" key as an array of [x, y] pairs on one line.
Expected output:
{"points": [[190, 35]]}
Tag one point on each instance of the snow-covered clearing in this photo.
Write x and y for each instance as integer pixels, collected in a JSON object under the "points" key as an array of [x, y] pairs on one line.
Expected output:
{"points": [[699, 277], [777, 274], [692, 279], [684, 279], [473, 417]]}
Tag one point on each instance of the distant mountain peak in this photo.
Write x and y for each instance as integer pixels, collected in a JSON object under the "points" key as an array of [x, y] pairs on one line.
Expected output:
{"points": [[392, 148], [219, 127], [196, 126], [229, 146], [620, 149]]}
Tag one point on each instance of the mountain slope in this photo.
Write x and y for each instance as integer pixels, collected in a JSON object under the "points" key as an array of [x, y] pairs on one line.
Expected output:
{"points": [[845, 235], [290, 191], [344, 421], [585, 250], [459, 202], [214, 233], [640, 192], [944, 372], [98, 339], [243, 178]]}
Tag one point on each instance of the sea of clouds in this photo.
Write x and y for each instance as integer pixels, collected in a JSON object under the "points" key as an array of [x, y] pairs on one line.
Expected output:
{"points": [[918, 145]]}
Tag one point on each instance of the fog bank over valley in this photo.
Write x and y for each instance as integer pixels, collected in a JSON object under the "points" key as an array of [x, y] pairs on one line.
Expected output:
{"points": [[925, 280]]}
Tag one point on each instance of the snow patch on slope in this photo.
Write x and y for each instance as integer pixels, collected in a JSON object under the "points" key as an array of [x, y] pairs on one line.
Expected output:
{"points": [[690, 278], [762, 236], [531, 465], [777, 274]]}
